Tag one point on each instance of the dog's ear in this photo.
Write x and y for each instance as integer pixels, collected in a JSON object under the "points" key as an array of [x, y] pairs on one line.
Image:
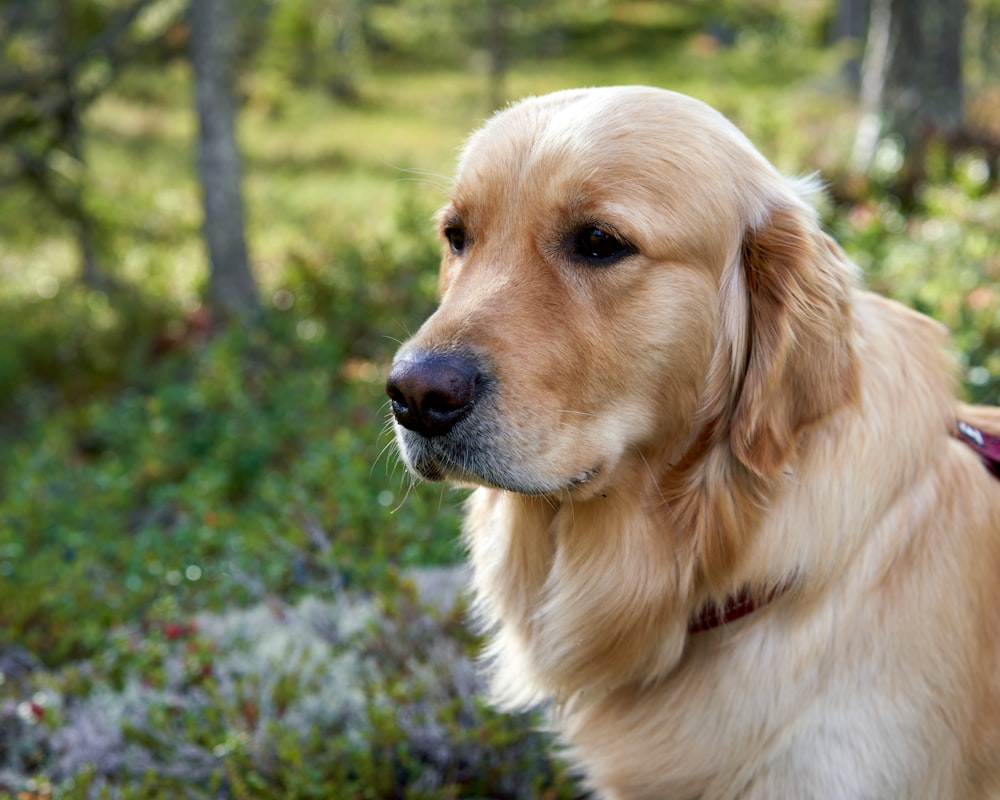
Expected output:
{"points": [[800, 359]]}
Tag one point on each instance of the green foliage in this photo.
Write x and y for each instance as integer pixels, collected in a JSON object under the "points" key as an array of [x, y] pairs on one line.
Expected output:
{"points": [[942, 258], [317, 43], [225, 457]]}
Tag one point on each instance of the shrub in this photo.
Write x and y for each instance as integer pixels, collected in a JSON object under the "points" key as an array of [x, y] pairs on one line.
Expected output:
{"points": [[155, 458], [942, 258], [352, 698]]}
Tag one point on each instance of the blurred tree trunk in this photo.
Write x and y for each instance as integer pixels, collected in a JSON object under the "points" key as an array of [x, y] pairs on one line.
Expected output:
{"points": [[849, 25], [985, 22], [74, 202], [911, 82], [232, 291]]}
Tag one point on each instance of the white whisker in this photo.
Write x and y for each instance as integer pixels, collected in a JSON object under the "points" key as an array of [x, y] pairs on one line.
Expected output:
{"points": [[439, 181]]}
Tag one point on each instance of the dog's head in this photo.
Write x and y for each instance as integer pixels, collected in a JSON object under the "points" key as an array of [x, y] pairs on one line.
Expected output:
{"points": [[624, 277]]}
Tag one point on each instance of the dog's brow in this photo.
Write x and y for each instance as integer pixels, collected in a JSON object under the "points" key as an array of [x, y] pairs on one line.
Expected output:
{"points": [[449, 217]]}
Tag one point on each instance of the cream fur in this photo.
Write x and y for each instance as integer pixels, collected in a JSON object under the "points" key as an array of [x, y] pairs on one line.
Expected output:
{"points": [[722, 408]]}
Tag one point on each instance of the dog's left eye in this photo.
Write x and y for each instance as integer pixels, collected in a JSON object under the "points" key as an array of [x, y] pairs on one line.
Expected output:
{"points": [[455, 236], [596, 244]]}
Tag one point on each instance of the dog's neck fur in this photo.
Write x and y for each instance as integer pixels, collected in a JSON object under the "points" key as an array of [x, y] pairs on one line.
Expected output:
{"points": [[661, 559]]}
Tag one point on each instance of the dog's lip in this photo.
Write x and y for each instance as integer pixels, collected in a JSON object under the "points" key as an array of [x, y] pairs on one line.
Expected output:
{"points": [[439, 467], [445, 459], [586, 476], [431, 470]]}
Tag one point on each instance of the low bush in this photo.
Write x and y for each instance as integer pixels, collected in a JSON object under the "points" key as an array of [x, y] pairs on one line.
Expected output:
{"points": [[161, 458], [352, 698], [941, 257]]}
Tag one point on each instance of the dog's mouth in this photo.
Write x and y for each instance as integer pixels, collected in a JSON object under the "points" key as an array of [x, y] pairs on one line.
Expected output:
{"points": [[430, 470], [442, 459], [430, 465], [585, 477]]}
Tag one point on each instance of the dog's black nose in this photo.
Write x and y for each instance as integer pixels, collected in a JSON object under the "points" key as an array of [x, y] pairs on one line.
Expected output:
{"points": [[431, 392]]}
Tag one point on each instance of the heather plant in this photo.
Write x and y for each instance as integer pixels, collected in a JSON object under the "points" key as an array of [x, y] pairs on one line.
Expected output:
{"points": [[350, 698]]}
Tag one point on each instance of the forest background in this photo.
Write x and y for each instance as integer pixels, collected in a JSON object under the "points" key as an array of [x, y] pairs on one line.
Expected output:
{"points": [[208, 548]]}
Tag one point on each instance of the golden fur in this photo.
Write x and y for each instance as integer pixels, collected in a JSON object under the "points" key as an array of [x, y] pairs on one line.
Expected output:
{"points": [[717, 407]]}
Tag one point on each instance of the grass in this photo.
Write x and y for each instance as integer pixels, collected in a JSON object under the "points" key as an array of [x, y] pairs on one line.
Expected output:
{"points": [[159, 487]]}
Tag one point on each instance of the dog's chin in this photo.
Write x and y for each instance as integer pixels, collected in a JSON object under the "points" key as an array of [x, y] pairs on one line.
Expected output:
{"points": [[431, 461]]}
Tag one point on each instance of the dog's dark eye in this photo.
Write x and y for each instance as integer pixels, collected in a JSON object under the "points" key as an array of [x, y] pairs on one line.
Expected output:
{"points": [[596, 244], [455, 237]]}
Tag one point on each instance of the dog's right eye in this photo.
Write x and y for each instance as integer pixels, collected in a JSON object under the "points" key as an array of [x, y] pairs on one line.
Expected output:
{"points": [[455, 236], [595, 244]]}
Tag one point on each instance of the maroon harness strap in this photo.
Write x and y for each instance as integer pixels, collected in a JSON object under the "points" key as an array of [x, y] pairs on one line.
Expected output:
{"points": [[987, 445], [711, 616], [737, 606], [740, 605]]}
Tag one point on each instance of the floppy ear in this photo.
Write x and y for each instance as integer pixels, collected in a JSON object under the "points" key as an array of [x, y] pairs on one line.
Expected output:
{"points": [[801, 363]]}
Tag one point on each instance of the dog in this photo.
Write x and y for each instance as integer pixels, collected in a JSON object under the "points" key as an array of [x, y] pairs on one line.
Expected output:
{"points": [[726, 526]]}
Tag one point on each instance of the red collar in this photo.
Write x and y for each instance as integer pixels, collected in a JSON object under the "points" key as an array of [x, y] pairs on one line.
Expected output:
{"points": [[737, 606], [986, 445]]}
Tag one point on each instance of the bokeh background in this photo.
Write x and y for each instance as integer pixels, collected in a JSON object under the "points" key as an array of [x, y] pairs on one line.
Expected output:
{"points": [[215, 227]]}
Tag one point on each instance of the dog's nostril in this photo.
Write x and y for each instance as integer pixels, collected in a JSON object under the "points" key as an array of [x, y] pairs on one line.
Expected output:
{"points": [[430, 393]]}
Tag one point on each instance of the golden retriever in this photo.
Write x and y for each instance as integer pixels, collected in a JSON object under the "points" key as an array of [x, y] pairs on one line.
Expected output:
{"points": [[725, 523]]}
